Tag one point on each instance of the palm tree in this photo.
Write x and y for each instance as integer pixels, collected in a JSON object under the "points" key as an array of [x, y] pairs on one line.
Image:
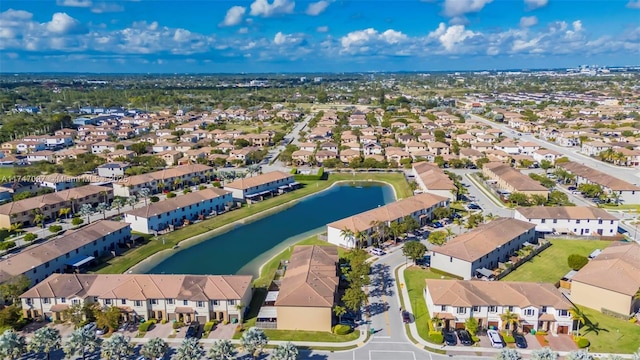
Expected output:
{"points": [[144, 193], [45, 340], [86, 210], [449, 233], [118, 203], [339, 311], [117, 347], [509, 354], [286, 351], [64, 212], [490, 217], [578, 315], [593, 327], [154, 348], [38, 217], [222, 350], [544, 354], [579, 355], [12, 344], [132, 200], [15, 227], [396, 229], [176, 183], [103, 207], [361, 237], [189, 349], [510, 320], [253, 341], [82, 341], [347, 234]]}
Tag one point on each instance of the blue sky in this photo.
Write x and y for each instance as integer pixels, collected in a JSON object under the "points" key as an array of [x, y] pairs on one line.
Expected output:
{"points": [[314, 36]]}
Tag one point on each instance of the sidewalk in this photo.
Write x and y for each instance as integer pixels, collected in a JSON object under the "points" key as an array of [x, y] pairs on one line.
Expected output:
{"points": [[488, 194], [460, 349]]}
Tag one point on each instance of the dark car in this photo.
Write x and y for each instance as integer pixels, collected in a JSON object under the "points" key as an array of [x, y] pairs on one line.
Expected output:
{"points": [[521, 341], [450, 338], [465, 337], [192, 330], [572, 188], [474, 207], [406, 317]]}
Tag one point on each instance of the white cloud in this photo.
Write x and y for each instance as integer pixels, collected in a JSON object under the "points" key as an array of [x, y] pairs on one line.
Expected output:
{"points": [[369, 39], [322, 29], [317, 8], [74, 3], [633, 4], [454, 8], [105, 7], [234, 16], [536, 4], [286, 39], [450, 37], [393, 37], [243, 30], [63, 24], [265, 9], [181, 35], [528, 21]]}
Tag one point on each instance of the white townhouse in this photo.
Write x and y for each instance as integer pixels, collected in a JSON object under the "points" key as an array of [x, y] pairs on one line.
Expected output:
{"points": [[594, 148], [544, 154], [103, 146], [178, 210], [539, 306], [261, 185], [528, 147], [577, 220], [478, 252], [627, 193], [57, 182], [185, 298], [347, 232], [67, 253], [177, 177]]}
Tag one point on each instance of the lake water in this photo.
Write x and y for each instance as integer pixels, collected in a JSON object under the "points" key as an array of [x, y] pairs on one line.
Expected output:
{"points": [[246, 247]]}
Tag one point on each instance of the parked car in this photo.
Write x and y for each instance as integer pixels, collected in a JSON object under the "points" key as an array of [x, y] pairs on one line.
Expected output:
{"points": [[377, 252], [572, 188], [521, 341], [473, 206], [465, 337], [437, 225], [348, 323], [495, 339], [406, 317], [455, 215], [450, 338], [192, 330]]}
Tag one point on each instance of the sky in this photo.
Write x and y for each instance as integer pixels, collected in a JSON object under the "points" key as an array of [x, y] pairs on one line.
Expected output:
{"points": [[289, 36]]}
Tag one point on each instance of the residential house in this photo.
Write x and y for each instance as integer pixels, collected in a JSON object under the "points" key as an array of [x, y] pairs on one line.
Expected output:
{"points": [[544, 154], [511, 180], [142, 297], [329, 146], [307, 146], [179, 210], [67, 253], [624, 192], [163, 146], [103, 146], [261, 185], [345, 232], [347, 155], [610, 281], [43, 155], [527, 147], [192, 174], [577, 220], [539, 306], [479, 251], [57, 182], [308, 290], [113, 169], [507, 146], [324, 155], [301, 157], [594, 148], [170, 157], [431, 179], [482, 146], [372, 149]]}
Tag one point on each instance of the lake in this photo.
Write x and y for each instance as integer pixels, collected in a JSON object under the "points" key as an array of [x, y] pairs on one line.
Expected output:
{"points": [[246, 247]]}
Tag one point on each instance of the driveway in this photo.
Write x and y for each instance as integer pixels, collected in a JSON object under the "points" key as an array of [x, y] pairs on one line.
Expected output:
{"points": [[160, 330], [223, 331], [561, 343]]}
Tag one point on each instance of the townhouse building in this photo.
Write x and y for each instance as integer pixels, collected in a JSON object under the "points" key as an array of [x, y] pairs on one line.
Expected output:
{"points": [[49, 205], [184, 175], [511, 180], [179, 210], [577, 220], [139, 297], [256, 187], [539, 306], [594, 148], [626, 192], [545, 154], [67, 253], [345, 232], [431, 179], [479, 251]]}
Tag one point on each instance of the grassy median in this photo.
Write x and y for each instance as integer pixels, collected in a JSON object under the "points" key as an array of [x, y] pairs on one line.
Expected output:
{"points": [[124, 262]]}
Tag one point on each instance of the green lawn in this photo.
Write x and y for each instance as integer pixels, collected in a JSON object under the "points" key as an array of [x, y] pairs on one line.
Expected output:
{"points": [[122, 263], [414, 280], [318, 336], [635, 207], [621, 337], [6, 173], [551, 264]]}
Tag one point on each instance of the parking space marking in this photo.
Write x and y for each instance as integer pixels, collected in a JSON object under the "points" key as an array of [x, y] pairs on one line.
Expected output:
{"points": [[396, 356]]}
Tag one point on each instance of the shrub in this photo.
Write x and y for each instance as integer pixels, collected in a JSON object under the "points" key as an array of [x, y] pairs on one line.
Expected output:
{"points": [[154, 199], [475, 339], [209, 326], [341, 329], [216, 184], [6, 245], [76, 221], [145, 326], [294, 171], [178, 324], [508, 339], [582, 342], [436, 337], [201, 187], [186, 191], [164, 321], [576, 262], [171, 195], [541, 332], [29, 237], [55, 228]]}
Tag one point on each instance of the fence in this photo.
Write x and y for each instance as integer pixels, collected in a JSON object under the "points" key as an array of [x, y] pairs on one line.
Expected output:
{"points": [[523, 260], [585, 237], [322, 237]]}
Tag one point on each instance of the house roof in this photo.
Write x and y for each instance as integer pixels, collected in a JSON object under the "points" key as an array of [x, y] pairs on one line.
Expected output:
{"points": [[433, 177], [165, 174], [311, 278], [177, 202], [565, 212], [460, 293], [617, 268], [52, 198], [34, 256], [389, 212], [142, 286], [253, 181], [515, 178], [598, 177], [484, 239]]}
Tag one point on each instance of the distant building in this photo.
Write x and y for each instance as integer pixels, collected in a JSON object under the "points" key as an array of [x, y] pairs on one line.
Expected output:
{"points": [[251, 188], [112, 169]]}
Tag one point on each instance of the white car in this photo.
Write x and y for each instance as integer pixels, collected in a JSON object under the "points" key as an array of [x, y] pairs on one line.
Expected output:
{"points": [[377, 252], [495, 338]]}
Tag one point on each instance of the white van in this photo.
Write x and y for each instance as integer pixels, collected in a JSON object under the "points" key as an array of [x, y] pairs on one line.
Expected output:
{"points": [[496, 340]]}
